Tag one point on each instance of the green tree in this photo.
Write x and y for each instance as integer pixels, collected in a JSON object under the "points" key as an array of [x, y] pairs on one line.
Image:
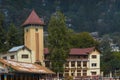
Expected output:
{"points": [[58, 39], [116, 60], [106, 55], [82, 40], [2, 34], [13, 36]]}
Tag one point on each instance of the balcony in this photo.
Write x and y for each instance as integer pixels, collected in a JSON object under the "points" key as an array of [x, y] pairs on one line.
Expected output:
{"points": [[77, 59]]}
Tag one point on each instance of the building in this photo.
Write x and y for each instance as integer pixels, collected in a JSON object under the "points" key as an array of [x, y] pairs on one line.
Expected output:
{"points": [[33, 36], [25, 57], [32, 50], [19, 53], [12, 70], [83, 62]]}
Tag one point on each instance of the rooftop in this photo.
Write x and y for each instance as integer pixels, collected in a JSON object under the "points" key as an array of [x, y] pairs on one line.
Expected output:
{"points": [[76, 51], [26, 67], [17, 48], [33, 19]]}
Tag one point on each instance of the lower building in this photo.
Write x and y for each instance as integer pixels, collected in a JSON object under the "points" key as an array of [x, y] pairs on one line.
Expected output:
{"points": [[13, 70], [19, 53], [83, 62]]}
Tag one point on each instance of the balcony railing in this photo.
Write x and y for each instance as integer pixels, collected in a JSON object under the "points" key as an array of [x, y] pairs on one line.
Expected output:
{"points": [[74, 59]]}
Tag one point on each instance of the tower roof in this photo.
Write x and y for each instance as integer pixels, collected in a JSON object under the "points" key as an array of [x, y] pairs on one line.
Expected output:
{"points": [[33, 19]]}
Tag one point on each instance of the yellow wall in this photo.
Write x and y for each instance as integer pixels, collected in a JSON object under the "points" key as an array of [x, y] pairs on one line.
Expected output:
{"points": [[30, 40], [18, 56], [89, 63], [97, 61]]}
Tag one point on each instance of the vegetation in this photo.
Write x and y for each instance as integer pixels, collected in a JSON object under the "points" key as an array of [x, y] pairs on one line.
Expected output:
{"points": [[109, 60], [82, 40], [9, 37], [82, 15], [13, 37], [58, 40], [2, 34]]}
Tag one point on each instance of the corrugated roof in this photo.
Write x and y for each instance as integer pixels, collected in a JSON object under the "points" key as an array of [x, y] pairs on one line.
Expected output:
{"points": [[26, 67], [75, 51], [33, 19], [14, 49]]}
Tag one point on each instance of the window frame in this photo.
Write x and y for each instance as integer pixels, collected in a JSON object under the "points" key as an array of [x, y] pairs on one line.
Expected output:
{"points": [[94, 56], [94, 64], [24, 56], [12, 57]]}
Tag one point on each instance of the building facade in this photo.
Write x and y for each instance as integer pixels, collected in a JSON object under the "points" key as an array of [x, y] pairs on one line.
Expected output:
{"points": [[13, 70], [20, 54], [33, 36], [33, 41], [80, 63]]}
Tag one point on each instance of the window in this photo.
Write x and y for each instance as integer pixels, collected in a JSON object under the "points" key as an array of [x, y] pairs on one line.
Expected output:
{"points": [[66, 74], [84, 64], [12, 57], [67, 64], [73, 64], [66, 70], [94, 64], [78, 74], [36, 29], [93, 73], [24, 56], [79, 64], [78, 70], [5, 57], [94, 56], [84, 72], [27, 30]]}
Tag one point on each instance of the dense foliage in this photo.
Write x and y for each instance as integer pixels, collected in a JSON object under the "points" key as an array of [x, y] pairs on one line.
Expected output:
{"points": [[58, 41], [9, 37], [82, 15], [110, 60], [82, 40]]}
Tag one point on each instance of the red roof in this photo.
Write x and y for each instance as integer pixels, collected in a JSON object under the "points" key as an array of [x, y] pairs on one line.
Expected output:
{"points": [[81, 51], [76, 51], [33, 19]]}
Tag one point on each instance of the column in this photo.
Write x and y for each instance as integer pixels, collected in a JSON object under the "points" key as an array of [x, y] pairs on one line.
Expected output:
{"points": [[75, 73], [69, 68]]}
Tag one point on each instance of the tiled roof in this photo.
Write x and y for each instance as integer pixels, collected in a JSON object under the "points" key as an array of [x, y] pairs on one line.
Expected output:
{"points": [[16, 48], [81, 51], [33, 19], [76, 51], [26, 67]]}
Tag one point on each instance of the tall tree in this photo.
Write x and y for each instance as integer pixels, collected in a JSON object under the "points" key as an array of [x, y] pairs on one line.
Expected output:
{"points": [[13, 36], [106, 55], [58, 39], [2, 34]]}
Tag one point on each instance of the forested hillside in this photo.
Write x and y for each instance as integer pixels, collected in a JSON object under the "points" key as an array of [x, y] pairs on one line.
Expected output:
{"points": [[82, 15]]}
